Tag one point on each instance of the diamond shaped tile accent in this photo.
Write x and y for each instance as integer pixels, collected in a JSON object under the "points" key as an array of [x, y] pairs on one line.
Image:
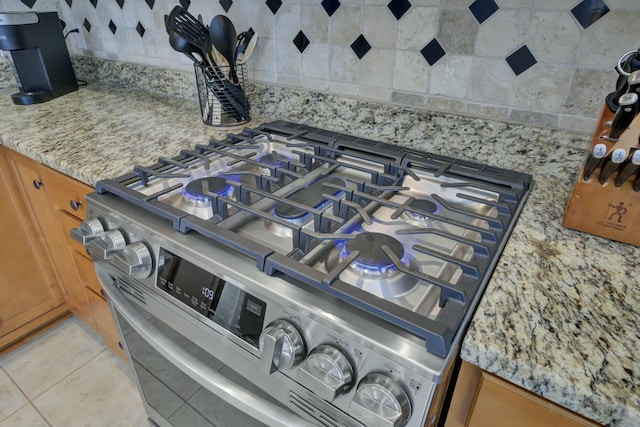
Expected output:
{"points": [[226, 4], [433, 52], [120, 3], [521, 60], [63, 24], [301, 41], [330, 6], [274, 5], [589, 11], [112, 27], [140, 29], [87, 25], [399, 7], [69, 2], [150, 3], [360, 46], [185, 4], [94, 3], [29, 3], [483, 9]]}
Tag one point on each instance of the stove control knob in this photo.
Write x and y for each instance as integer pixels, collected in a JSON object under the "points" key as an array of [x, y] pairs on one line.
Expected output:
{"points": [[282, 347], [327, 372], [134, 260], [109, 243], [380, 401], [90, 229]]}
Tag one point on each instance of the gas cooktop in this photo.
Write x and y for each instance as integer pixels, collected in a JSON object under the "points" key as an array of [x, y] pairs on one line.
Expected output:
{"points": [[409, 237]]}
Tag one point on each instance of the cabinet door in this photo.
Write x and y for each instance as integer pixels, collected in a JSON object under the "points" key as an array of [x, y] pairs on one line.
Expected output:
{"points": [[30, 296]]}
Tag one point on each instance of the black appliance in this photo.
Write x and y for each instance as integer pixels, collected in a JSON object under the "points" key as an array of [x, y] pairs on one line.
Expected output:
{"points": [[40, 55]]}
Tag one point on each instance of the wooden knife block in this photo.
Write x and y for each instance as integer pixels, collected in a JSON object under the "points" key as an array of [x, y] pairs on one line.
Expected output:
{"points": [[606, 210]]}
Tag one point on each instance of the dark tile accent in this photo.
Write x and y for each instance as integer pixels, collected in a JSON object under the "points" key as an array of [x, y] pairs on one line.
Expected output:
{"points": [[433, 52], [483, 9], [226, 4], [521, 60], [589, 11], [112, 27], [330, 6], [87, 25], [457, 32], [360, 46], [69, 3], [28, 3], [94, 3], [120, 3], [185, 4], [399, 7], [63, 24], [140, 29], [301, 41], [150, 3], [274, 5]]}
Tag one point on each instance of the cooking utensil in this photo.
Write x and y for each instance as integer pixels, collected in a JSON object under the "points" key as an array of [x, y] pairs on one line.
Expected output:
{"points": [[630, 166], [593, 160], [611, 163], [180, 44], [628, 108], [246, 43], [223, 36]]}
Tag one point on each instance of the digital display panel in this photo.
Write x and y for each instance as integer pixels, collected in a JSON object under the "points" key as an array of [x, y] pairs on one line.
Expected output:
{"points": [[232, 308]]}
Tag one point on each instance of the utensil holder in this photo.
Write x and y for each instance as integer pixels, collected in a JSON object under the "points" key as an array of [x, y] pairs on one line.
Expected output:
{"points": [[604, 209], [223, 100]]}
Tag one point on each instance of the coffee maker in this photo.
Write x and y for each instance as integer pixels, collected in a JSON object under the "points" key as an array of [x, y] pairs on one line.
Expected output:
{"points": [[39, 54]]}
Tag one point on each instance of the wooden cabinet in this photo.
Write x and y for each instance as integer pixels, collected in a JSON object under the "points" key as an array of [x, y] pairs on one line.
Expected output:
{"points": [[58, 201], [482, 399], [30, 295]]}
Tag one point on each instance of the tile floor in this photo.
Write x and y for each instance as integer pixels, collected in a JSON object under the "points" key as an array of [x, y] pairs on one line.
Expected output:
{"points": [[68, 377]]}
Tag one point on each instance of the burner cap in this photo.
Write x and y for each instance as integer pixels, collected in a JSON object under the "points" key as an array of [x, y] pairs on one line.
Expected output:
{"points": [[424, 205], [370, 247], [194, 190], [273, 159]]}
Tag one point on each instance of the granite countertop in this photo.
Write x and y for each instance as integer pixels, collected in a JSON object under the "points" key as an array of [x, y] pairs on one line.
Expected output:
{"points": [[560, 315]]}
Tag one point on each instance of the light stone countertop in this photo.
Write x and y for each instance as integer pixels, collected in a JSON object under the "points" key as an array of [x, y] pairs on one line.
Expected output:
{"points": [[561, 314]]}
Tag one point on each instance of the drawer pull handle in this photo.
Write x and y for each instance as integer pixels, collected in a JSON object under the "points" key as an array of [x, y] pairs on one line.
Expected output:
{"points": [[75, 205], [37, 184]]}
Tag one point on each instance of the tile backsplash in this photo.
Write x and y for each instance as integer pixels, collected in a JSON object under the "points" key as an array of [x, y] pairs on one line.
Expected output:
{"points": [[542, 62]]}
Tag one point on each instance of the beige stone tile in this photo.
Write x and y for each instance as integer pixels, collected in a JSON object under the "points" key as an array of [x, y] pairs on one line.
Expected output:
{"points": [[26, 416], [418, 27], [543, 87], [314, 21], [492, 81], [607, 39], [375, 68], [502, 33], [345, 25], [379, 27], [41, 363], [411, 71], [97, 394], [553, 37], [11, 397], [450, 76]]}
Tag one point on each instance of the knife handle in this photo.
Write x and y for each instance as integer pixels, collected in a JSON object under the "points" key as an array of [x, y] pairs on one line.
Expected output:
{"points": [[624, 116], [630, 166], [611, 163], [593, 160], [636, 184], [634, 82]]}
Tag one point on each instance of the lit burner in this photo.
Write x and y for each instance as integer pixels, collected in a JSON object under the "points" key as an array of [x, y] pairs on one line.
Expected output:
{"points": [[372, 258], [194, 192], [273, 159], [423, 205]]}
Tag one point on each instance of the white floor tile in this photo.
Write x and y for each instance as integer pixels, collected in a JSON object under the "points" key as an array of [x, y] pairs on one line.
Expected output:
{"points": [[26, 416], [49, 358], [98, 394], [11, 398]]}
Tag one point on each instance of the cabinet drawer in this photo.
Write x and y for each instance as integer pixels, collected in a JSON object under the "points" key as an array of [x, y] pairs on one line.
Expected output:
{"points": [[68, 222], [65, 192], [87, 272], [104, 323]]}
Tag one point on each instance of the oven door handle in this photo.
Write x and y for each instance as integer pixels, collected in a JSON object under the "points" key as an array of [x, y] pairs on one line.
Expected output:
{"points": [[235, 395]]}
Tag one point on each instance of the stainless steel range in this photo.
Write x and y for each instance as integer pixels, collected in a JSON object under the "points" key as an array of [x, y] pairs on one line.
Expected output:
{"points": [[289, 275]]}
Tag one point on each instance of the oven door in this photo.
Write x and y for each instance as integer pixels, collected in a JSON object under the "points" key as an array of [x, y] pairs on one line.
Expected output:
{"points": [[182, 384]]}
